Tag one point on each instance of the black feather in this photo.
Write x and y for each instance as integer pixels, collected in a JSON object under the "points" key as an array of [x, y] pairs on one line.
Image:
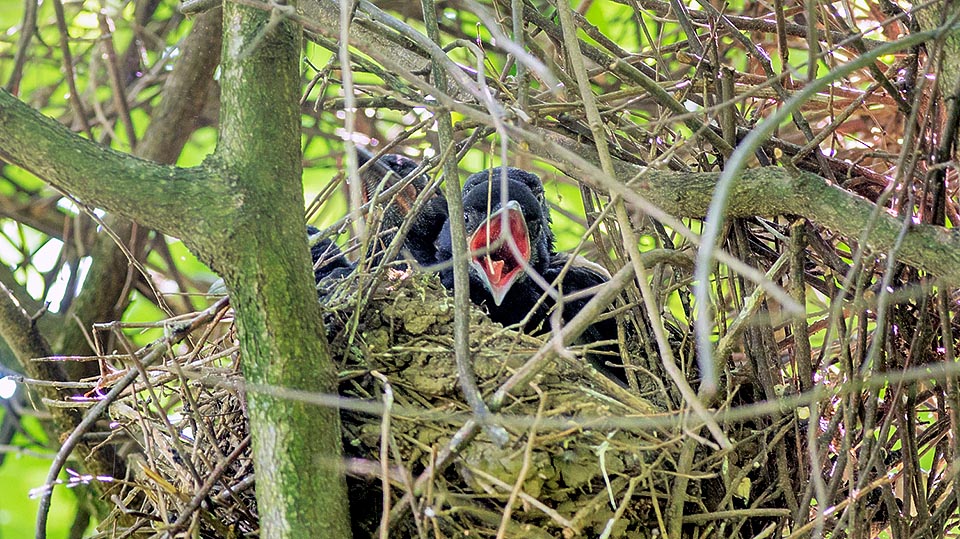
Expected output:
{"points": [[328, 260], [382, 174], [377, 176], [484, 193], [482, 197]]}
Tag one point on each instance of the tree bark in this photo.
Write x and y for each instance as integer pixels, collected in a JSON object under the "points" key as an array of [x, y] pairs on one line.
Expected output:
{"points": [[108, 284], [301, 490], [242, 214]]}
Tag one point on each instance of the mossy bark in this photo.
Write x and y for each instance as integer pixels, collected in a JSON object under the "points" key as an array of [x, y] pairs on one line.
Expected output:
{"points": [[265, 265], [933, 16]]}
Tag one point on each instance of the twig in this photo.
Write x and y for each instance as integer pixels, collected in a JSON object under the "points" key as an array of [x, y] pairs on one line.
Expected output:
{"points": [[737, 162], [347, 8], [385, 453], [155, 353], [524, 466], [69, 72], [751, 305], [113, 71], [573, 329], [203, 491], [27, 29], [458, 234], [629, 240], [621, 507]]}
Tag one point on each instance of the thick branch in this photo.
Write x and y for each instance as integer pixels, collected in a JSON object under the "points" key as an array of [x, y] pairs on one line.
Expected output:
{"points": [[154, 195], [325, 14], [765, 191]]}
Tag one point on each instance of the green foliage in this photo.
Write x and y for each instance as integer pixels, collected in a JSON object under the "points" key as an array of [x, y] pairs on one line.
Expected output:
{"points": [[20, 474], [617, 22]]}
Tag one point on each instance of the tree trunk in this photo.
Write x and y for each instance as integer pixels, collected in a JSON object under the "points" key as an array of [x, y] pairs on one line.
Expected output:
{"points": [[264, 263]]}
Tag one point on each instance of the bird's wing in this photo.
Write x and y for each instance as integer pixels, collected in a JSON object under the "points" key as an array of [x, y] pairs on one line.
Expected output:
{"points": [[328, 260], [582, 275]]}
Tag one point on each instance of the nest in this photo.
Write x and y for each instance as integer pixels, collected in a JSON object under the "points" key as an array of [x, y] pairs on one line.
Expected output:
{"points": [[568, 467], [569, 454]]}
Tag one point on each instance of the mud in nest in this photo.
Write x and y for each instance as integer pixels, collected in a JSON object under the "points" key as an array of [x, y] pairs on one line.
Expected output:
{"points": [[582, 456]]}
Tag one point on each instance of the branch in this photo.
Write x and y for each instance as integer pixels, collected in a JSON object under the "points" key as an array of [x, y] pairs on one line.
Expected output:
{"points": [[155, 195], [105, 293], [324, 14], [301, 491], [42, 214], [763, 191], [21, 335]]}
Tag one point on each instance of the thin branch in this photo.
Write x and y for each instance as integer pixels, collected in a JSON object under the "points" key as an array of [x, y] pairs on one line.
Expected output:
{"points": [[71, 75], [458, 234], [719, 205], [27, 29], [116, 84], [151, 356]]}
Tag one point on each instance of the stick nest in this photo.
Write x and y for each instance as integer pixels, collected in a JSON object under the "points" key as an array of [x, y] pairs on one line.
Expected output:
{"points": [[580, 472]]}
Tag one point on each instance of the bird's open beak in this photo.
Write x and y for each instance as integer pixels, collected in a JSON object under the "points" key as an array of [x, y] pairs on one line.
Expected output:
{"points": [[497, 264]]}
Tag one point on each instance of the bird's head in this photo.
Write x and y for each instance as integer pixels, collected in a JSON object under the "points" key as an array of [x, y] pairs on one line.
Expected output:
{"points": [[505, 233], [385, 172]]}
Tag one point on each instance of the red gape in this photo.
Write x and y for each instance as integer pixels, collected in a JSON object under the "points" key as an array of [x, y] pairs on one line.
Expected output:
{"points": [[500, 266]]}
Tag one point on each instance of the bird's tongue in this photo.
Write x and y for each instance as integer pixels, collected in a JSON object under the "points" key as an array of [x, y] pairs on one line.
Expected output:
{"points": [[494, 270]]}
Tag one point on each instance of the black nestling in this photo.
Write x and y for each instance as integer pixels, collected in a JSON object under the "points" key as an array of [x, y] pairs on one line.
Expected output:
{"points": [[495, 265], [501, 274], [380, 175], [328, 260], [376, 177], [500, 278]]}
